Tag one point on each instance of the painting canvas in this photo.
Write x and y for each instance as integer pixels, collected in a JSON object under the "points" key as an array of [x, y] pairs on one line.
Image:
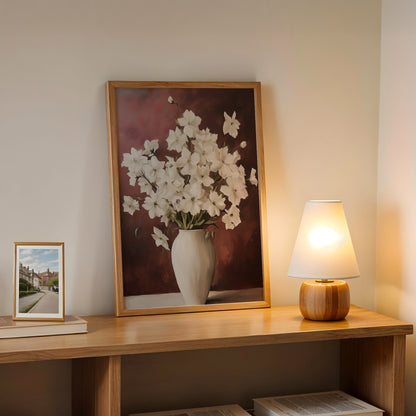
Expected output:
{"points": [[187, 186], [38, 281]]}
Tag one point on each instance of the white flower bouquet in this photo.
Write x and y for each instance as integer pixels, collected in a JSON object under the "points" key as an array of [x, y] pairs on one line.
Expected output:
{"points": [[199, 184]]}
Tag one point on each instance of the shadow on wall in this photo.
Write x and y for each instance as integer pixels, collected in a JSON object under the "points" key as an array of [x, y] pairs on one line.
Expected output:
{"points": [[389, 284], [92, 287]]}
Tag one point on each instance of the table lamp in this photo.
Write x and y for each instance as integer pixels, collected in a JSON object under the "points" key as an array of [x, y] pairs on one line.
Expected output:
{"points": [[324, 252]]}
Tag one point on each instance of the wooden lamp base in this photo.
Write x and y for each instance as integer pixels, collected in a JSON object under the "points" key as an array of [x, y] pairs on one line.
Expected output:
{"points": [[324, 300]]}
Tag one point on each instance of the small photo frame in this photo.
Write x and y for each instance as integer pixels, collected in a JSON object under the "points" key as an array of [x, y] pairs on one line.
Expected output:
{"points": [[39, 281]]}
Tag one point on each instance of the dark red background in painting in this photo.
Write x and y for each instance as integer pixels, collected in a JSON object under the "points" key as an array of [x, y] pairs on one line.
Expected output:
{"points": [[144, 113]]}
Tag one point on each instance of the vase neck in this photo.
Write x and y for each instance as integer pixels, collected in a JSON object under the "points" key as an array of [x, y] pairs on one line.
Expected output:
{"points": [[199, 230]]}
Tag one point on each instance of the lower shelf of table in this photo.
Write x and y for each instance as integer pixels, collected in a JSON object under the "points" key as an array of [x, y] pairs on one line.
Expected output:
{"points": [[369, 368]]}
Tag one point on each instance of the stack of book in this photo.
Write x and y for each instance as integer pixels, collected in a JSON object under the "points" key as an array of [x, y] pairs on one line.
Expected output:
{"points": [[18, 329], [226, 410], [330, 403]]}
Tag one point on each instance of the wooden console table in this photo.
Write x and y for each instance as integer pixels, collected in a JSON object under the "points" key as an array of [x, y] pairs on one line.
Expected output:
{"points": [[372, 349]]}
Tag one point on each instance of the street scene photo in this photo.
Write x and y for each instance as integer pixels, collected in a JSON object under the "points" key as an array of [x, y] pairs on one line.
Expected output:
{"points": [[38, 284]]}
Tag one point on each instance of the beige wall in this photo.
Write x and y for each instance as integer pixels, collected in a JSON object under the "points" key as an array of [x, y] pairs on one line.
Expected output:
{"points": [[318, 62], [396, 266]]}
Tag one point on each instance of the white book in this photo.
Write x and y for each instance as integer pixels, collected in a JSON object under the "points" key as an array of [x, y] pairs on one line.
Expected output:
{"points": [[18, 329], [329, 403], [226, 410]]}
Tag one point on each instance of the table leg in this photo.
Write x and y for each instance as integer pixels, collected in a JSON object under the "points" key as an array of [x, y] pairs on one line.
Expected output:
{"points": [[372, 369], [96, 386]]}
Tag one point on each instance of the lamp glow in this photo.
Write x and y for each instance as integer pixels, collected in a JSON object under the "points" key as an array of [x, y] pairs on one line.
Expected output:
{"points": [[322, 237], [324, 252]]}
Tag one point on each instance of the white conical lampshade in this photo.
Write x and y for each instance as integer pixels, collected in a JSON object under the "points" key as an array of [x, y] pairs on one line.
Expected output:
{"points": [[323, 248]]}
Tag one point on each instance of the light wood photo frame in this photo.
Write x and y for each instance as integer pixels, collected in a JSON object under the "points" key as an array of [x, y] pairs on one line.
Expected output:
{"points": [[39, 281], [188, 196]]}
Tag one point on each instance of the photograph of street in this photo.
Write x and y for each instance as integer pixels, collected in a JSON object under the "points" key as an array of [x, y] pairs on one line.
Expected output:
{"points": [[38, 269]]}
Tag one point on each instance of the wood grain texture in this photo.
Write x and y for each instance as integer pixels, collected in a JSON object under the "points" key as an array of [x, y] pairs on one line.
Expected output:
{"points": [[96, 386], [324, 301], [185, 84], [194, 308], [114, 194], [262, 192], [373, 370], [109, 335], [108, 386]]}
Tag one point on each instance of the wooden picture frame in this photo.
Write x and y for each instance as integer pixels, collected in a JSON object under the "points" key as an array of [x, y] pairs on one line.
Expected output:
{"points": [[188, 196], [39, 282]]}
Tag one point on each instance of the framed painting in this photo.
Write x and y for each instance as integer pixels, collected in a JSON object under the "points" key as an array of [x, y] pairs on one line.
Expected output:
{"points": [[188, 198], [39, 281]]}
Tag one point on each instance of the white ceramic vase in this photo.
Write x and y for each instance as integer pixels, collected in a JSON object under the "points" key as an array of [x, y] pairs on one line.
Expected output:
{"points": [[193, 260]]}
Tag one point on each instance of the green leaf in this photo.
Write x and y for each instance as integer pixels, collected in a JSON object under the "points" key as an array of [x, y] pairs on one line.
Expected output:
{"points": [[136, 232], [184, 220], [210, 222]]}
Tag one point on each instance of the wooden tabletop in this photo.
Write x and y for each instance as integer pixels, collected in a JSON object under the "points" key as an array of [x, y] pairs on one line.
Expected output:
{"points": [[108, 335]]}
